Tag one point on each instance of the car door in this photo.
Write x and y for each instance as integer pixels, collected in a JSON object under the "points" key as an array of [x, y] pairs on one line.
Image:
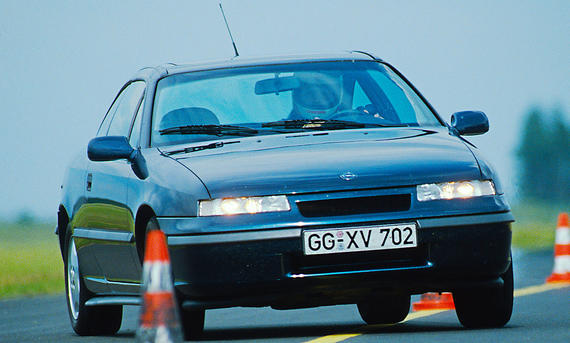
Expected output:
{"points": [[109, 226]]}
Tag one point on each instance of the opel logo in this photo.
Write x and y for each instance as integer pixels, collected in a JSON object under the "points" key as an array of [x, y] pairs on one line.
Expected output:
{"points": [[348, 176]]}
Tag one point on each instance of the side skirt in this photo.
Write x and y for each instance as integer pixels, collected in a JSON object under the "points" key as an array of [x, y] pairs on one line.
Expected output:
{"points": [[113, 300]]}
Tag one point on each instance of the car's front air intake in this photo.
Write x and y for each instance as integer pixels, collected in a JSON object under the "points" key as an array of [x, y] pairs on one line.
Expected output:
{"points": [[361, 205]]}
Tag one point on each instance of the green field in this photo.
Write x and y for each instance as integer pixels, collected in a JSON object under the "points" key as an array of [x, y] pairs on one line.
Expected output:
{"points": [[535, 225], [30, 261], [31, 264]]}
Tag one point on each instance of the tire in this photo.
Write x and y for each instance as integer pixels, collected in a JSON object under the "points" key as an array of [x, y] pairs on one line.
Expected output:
{"points": [[86, 320], [192, 323], [484, 307], [387, 309]]}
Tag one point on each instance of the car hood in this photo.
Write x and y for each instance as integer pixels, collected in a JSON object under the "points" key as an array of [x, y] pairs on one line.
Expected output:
{"points": [[316, 162]]}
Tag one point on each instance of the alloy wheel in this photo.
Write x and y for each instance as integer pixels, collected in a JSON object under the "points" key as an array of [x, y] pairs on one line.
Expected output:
{"points": [[73, 282]]}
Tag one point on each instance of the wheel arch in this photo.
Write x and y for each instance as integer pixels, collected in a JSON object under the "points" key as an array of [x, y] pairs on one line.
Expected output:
{"points": [[62, 223], [144, 214]]}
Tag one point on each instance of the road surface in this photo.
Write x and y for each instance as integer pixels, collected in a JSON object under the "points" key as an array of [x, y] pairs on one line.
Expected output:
{"points": [[541, 314]]}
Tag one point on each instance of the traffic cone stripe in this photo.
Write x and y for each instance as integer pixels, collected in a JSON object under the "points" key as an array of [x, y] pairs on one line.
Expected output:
{"points": [[562, 265], [561, 270], [157, 249], [562, 235], [565, 277], [154, 273], [153, 314], [563, 220], [560, 249]]}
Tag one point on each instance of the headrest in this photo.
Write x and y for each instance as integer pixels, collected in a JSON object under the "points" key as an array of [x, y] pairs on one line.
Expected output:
{"points": [[188, 116]]}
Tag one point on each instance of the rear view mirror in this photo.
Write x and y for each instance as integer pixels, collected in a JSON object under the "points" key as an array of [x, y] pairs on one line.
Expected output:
{"points": [[276, 85], [111, 148], [470, 123]]}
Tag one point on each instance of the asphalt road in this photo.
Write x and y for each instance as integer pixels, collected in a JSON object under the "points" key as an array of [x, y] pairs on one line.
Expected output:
{"points": [[540, 315]]}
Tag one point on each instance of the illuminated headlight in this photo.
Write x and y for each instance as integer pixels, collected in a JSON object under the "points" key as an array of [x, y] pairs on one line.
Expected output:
{"points": [[231, 206], [455, 190]]}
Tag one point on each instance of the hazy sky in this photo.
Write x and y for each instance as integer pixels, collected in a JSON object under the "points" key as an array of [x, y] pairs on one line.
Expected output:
{"points": [[62, 62]]}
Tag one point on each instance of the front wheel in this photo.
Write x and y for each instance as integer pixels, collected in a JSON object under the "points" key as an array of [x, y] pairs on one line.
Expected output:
{"points": [[386, 309], [485, 308], [86, 320], [192, 323]]}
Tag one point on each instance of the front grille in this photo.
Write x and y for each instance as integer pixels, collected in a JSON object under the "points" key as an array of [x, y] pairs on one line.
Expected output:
{"points": [[361, 205]]}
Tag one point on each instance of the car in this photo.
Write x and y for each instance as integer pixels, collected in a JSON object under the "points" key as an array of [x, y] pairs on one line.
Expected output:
{"points": [[288, 182]]}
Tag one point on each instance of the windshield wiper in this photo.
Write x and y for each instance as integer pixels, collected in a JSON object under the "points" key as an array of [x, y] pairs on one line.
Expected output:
{"points": [[323, 124], [215, 130], [214, 145], [313, 124]]}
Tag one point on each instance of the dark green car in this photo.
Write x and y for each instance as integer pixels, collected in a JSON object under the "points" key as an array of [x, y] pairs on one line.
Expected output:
{"points": [[286, 182]]}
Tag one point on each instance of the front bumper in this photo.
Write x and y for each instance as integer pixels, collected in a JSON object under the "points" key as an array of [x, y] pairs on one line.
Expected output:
{"points": [[267, 267]]}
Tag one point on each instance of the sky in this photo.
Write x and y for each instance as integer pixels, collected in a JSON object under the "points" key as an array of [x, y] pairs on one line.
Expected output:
{"points": [[62, 63]]}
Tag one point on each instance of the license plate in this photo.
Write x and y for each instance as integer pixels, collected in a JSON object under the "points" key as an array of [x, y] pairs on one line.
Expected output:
{"points": [[384, 237]]}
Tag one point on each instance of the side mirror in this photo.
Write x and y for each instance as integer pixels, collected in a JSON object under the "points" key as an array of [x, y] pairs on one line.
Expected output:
{"points": [[111, 148], [470, 123]]}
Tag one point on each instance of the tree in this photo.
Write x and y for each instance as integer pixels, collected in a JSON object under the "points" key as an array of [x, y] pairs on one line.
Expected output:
{"points": [[544, 157], [561, 142]]}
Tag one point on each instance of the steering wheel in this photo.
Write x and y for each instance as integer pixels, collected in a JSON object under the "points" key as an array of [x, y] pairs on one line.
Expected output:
{"points": [[347, 113], [360, 117]]}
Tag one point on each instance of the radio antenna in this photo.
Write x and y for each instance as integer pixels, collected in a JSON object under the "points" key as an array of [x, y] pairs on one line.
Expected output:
{"points": [[230, 32]]}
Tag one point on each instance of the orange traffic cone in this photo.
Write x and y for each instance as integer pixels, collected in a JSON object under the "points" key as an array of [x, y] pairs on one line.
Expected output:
{"points": [[561, 272], [434, 301], [159, 320]]}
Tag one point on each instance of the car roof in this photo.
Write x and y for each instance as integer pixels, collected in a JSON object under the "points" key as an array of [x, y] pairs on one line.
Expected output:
{"points": [[236, 62]]}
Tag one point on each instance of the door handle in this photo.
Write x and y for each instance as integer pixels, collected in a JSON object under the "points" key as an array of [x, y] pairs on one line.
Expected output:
{"points": [[89, 182]]}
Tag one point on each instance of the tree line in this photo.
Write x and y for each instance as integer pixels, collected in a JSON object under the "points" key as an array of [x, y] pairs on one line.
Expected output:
{"points": [[543, 157]]}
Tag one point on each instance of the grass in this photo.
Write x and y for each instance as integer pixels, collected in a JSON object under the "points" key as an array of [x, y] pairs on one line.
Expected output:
{"points": [[30, 261], [534, 236], [535, 225]]}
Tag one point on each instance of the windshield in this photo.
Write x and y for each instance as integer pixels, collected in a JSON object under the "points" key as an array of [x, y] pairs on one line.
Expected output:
{"points": [[261, 100]]}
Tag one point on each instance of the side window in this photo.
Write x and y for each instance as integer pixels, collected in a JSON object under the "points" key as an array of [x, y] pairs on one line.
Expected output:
{"points": [[122, 119], [134, 139], [107, 120]]}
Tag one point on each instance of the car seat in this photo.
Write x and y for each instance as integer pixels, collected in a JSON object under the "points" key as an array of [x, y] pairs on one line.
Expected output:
{"points": [[188, 116]]}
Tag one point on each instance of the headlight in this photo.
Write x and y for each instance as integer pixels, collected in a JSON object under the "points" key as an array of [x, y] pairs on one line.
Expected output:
{"points": [[455, 190], [231, 206]]}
